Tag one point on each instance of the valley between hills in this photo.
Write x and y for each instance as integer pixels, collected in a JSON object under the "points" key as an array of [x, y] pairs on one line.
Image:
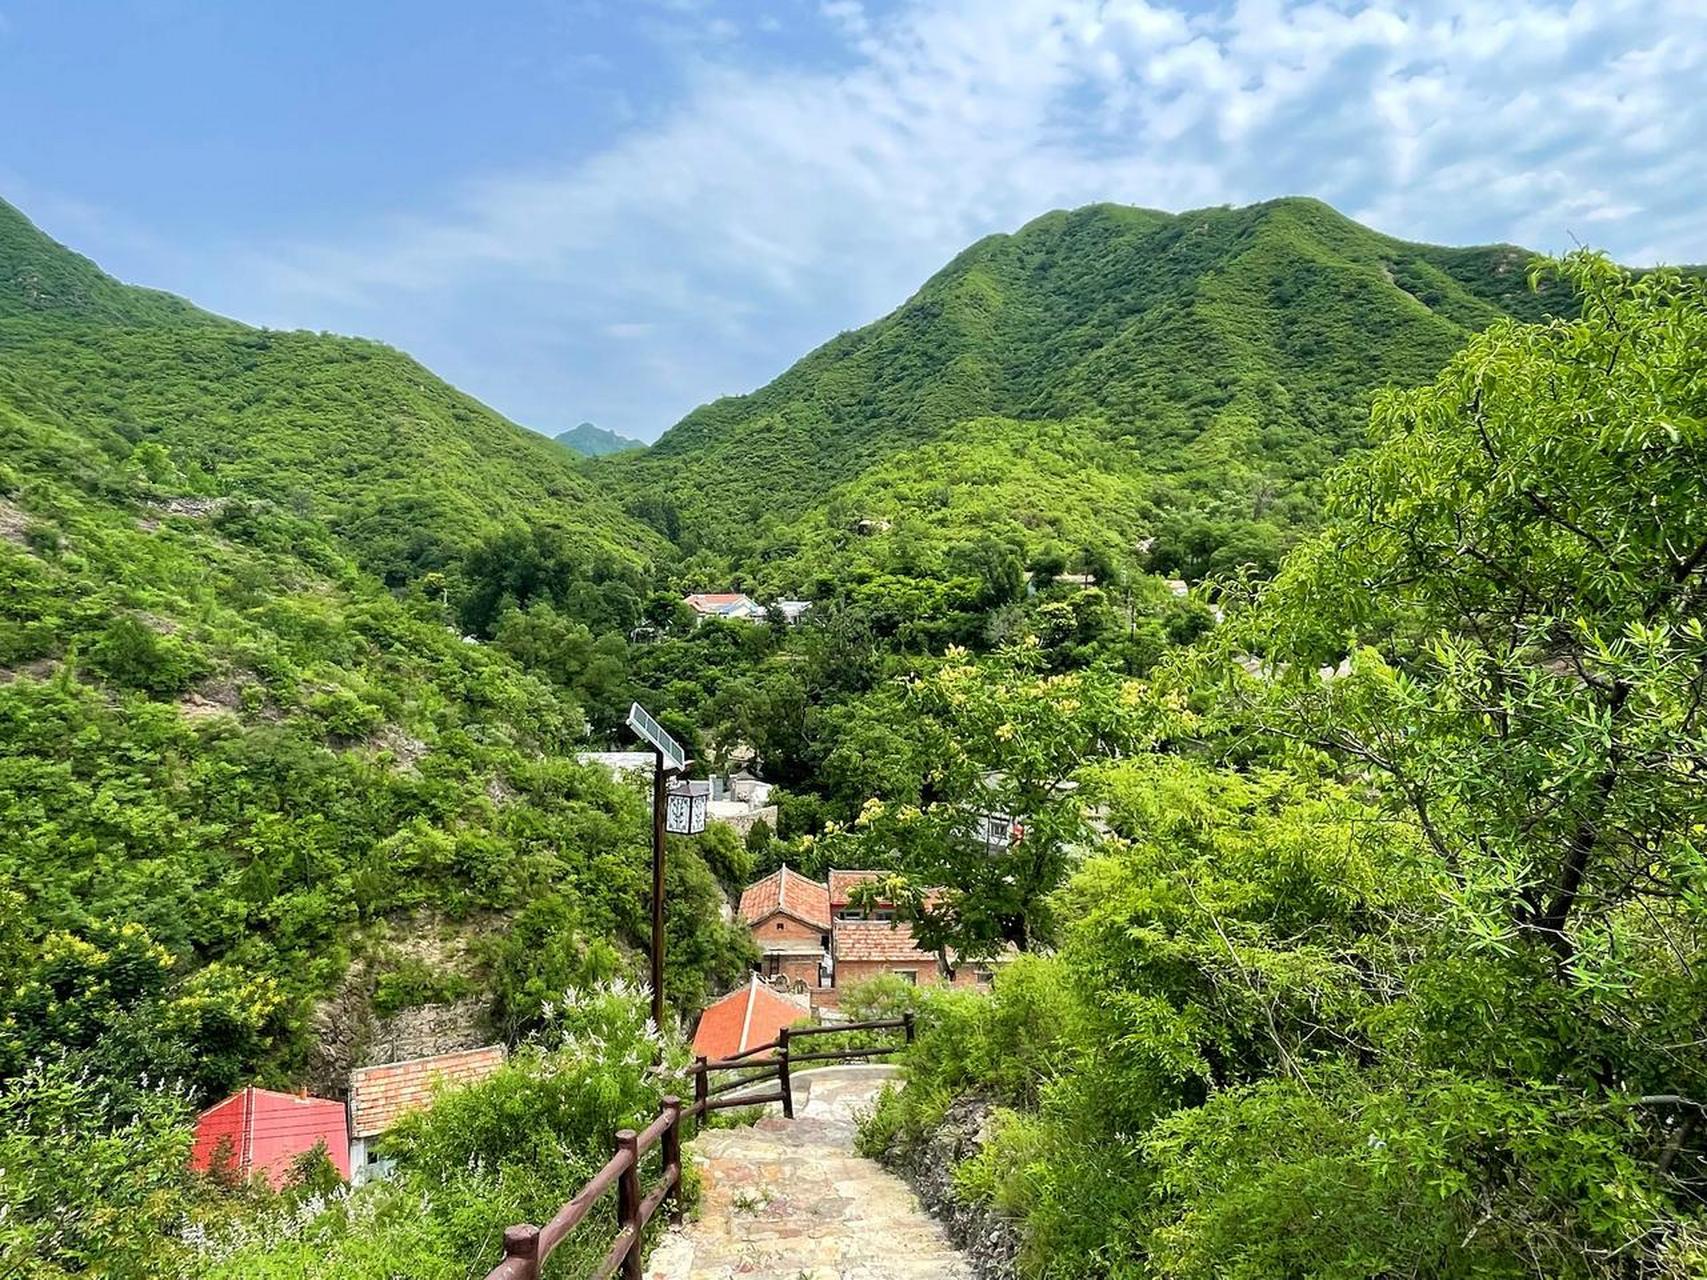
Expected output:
{"points": [[1260, 663]]}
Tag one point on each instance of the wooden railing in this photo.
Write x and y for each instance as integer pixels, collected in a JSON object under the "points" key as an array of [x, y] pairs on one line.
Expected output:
{"points": [[527, 1247]]}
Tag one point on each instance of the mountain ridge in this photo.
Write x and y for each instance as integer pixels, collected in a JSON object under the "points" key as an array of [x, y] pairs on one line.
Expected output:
{"points": [[408, 470], [1161, 326]]}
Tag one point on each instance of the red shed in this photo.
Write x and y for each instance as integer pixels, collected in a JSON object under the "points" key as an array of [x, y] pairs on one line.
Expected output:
{"points": [[260, 1132]]}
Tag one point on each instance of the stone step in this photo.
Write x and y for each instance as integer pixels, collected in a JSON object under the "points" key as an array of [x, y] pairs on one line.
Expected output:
{"points": [[789, 1200]]}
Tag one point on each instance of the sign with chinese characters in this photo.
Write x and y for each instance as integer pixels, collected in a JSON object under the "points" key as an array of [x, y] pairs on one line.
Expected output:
{"points": [[684, 807]]}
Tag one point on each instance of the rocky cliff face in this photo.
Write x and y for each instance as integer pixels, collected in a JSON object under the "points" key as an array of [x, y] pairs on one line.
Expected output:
{"points": [[989, 1240]]}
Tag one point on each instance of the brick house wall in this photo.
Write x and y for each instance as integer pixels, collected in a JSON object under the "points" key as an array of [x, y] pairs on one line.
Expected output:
{"points": [[849, 972], [779, 927], [852, 972], [795, 968]]}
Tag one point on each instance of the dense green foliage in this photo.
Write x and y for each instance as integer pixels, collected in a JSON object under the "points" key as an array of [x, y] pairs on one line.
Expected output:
{"points": [[229, 756], [1212, 364], [97, 1181], [1358, 936], [509, 1149], [1392, 966], [406, 471]]}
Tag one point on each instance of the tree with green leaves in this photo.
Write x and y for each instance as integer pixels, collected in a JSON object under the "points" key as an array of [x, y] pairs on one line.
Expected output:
{"points": [[994, 829], [1519, 573]]}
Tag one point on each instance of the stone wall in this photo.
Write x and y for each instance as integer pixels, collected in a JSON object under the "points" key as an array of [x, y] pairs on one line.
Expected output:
{"points": [[428, 1030]]}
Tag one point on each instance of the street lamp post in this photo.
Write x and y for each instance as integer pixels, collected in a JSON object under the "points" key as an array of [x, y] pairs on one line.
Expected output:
{"points": [[679, 809], [659, 780]]}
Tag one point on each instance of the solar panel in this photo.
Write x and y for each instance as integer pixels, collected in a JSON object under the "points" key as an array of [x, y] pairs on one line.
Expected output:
{"points": [[651, 731]]}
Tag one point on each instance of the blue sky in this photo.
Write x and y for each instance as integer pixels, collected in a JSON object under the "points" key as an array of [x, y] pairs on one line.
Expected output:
{"points": [[616, 211]]}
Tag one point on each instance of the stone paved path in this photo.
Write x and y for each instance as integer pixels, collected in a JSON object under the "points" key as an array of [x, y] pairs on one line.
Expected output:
{"points": [[789, 1200]]}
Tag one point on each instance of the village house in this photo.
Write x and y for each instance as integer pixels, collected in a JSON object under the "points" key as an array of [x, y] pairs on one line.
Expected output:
{"points": [[789, 916], [735, 606], [262, 1133], [817, 938], [866, 941], [723, 604], [740, 800], [379, 1097]]}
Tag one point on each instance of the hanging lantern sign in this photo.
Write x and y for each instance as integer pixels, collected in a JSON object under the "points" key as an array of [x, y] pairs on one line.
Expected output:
{"points": [[684, 807]]}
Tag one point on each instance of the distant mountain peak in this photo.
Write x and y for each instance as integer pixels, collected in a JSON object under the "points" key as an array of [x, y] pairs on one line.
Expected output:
{"points": [[595, 442]]}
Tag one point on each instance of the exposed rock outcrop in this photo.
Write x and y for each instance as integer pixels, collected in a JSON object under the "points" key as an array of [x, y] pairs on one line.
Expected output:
{"points": [[989, 1241]]}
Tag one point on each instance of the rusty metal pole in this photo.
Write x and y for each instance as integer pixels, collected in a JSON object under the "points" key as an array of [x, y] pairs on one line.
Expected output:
{"points": [[658, 776]]}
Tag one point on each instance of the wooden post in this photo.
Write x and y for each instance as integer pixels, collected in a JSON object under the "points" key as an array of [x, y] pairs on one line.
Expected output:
{"points": [[907, 1025], [782, 1070], [673, 1155], [658, 776], [628, 1202], [523, 1242], [701, 1092]]}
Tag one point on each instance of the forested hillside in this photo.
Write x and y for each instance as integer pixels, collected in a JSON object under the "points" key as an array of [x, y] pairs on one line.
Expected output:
{"points": [[1225, 356], [1380, 937], [1353, 922], [406, 471], [229, 755]]}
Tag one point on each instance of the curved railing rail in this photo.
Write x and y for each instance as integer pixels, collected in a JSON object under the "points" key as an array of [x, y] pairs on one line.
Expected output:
{"points": [[527, 1247]]}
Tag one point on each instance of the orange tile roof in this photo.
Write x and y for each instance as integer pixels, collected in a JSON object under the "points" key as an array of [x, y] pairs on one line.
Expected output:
{"points": [[843, 883], [876, 940], [789, 891], [379, 1095], [752, 1015]]}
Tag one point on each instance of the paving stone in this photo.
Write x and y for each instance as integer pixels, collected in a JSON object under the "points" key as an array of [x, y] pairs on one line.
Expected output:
{"points": [[788, 1200]]}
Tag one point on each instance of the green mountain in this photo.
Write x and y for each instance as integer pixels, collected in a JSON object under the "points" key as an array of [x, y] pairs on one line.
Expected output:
{"points": [[1226, 355], [403, 468], [595, 442], [249, 780]]}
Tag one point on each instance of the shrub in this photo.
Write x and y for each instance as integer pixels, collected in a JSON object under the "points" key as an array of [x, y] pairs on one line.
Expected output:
{"points": [[137, 657], [93, 1175]]}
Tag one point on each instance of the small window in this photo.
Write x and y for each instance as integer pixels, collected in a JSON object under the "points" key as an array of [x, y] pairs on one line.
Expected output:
{"points": [[908, 975], [985, 977], [780, 926]]}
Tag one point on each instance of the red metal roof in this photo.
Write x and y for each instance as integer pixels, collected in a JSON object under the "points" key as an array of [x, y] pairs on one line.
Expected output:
{"points": [[788, 891], [379, 1095], [752, 1015], [260, 1131]]}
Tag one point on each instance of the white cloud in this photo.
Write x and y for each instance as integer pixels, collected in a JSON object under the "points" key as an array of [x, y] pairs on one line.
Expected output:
{"points": [[773, 206]]}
